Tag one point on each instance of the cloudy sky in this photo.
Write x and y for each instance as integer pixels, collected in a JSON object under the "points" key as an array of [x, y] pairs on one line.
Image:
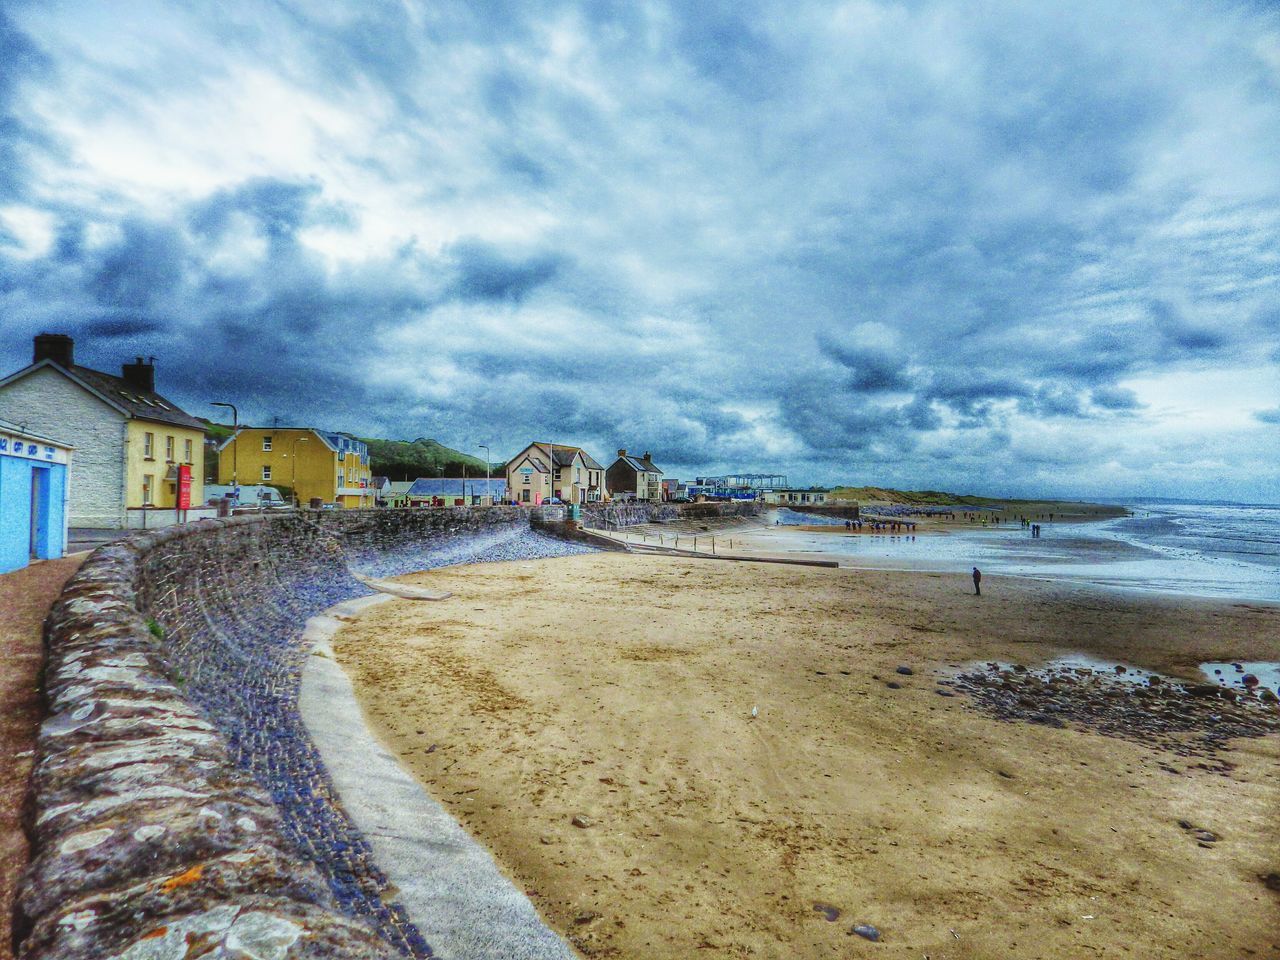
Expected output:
{"points": [[1002, 247]]}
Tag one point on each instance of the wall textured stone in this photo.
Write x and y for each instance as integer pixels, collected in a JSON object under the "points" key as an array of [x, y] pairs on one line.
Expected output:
{"points": [[179, 806], [615, 515], [50, 404]]}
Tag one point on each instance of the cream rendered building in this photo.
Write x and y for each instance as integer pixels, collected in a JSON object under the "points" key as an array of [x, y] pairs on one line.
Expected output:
{"points": [[544, 470]]}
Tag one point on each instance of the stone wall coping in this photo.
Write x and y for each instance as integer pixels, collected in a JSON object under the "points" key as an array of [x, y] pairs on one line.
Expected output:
{"points": [[147, 837]]}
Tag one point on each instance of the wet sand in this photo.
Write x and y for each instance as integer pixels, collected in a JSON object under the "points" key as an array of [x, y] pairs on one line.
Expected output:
{"points": [[618, 689]]}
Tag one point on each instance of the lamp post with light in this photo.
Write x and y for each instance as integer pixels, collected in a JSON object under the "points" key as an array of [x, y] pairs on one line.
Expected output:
{"points": [[235, 445]]}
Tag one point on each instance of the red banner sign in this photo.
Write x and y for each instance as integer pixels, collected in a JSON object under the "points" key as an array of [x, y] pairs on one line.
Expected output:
{"points": [[184, 487]]}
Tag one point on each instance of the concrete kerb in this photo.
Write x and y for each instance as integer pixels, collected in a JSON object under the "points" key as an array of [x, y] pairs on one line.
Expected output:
{"points": [[454, 892]]}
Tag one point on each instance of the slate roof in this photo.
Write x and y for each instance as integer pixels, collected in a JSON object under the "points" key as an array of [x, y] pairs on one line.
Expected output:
{"points": [[537, 463], [132, 402], [640, 466], [454, 487], [137, 403], [563, 455]]}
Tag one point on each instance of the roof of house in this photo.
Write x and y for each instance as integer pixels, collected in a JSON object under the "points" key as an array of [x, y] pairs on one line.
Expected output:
{"points": [[379, 482], [457, 487], [562, 455], [639, 465], [338, 442], [536, 462], [119, 393]]}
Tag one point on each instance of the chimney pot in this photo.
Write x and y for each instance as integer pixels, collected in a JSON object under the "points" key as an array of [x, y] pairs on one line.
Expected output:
{"points": [[57, 347], [622, 452], [140, 375]]}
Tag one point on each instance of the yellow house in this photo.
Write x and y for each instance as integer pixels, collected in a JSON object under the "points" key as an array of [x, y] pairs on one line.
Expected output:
{"points": [[131, 443], [153, 453], [315, 464]]}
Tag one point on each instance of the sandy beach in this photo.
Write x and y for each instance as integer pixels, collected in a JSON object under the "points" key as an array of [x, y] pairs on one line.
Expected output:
{"points": [[589, 720]]}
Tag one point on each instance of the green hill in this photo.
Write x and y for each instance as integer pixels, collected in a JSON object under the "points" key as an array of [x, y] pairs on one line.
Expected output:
{"points": [[410, 459]]}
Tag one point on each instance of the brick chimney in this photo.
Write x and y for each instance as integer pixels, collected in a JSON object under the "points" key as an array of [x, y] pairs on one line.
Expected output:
{"points": [[141, 375], [645, 458], [57, 347], [622, 452]]}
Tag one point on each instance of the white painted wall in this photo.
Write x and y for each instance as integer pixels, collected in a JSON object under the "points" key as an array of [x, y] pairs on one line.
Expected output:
{"points": [[46, 402]]}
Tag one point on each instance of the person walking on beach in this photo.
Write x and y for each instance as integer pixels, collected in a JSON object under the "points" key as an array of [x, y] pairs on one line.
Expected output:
{"points": [[977, 582]]}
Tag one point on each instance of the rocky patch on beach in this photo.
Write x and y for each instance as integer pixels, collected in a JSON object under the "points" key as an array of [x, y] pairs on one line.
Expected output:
{"points": [[1187, 719]]}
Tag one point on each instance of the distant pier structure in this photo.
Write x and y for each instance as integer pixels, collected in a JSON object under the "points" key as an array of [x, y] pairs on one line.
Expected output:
{"points": [[738, 486]]}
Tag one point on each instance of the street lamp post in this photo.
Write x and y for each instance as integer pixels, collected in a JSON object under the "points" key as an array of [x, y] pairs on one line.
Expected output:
{"points": [[297, 501], [235, 445], [487, 457]]}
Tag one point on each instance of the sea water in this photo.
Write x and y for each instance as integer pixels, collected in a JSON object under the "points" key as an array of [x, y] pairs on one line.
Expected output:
{"points": [[1207, 550]]}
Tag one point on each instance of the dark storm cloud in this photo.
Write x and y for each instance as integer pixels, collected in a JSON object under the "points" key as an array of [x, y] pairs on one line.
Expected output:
{"points": [[279, 207], [893, 238], [1115, 398], [871, 369], [142, 268], [20, 59], [486, 274]]}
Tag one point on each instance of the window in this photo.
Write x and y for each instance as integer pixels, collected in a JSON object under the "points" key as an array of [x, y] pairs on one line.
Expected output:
{"points": [[168, 448], [186, 452], [266, 443], [266, 471], [148, 484], [149, 445]]}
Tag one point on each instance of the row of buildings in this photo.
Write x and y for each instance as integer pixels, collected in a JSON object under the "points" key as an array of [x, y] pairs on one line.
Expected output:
{"points": [[80, 447], [544, 472], [86, 448]]}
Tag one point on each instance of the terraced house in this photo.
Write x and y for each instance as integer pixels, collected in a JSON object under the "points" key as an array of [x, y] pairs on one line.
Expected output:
{"points": [[544, 470], [314, 464], [133, 447]]}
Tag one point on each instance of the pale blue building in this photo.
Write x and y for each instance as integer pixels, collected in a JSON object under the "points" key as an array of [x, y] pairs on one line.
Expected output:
{"points": [[33, 496]]}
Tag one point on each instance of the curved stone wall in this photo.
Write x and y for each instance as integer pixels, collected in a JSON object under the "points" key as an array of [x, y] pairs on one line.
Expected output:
{"points": [[178, 803], [626, 514]]}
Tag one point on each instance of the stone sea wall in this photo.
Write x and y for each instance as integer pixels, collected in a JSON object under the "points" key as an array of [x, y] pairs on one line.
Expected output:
{"points": [[613, 516], [179, 808]]}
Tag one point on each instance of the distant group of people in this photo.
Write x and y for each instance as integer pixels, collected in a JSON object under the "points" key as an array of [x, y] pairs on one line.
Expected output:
{"points": [[881, 526], [1033, 527]]}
